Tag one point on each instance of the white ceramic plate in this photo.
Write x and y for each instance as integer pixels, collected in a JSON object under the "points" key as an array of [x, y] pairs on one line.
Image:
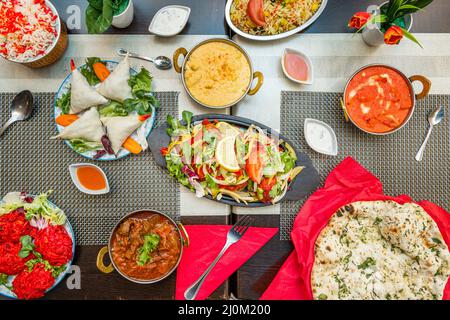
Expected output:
{"points": [[64, 87], [7, 293], [276, 36]]}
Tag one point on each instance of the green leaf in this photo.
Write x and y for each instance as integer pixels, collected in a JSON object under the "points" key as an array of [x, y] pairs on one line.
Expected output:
{"points": [[82, 146], [27, 246], [3, 279], [151, 242], [421, 3], [141, 83], [143, 100], [409, 35], [64, 102], [436, 240], [113, 109], [393, 7], [187, 117], [98, 21]]}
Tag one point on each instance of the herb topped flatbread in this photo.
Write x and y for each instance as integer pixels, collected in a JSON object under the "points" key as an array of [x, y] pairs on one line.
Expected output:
{"points": [[380, 250]]}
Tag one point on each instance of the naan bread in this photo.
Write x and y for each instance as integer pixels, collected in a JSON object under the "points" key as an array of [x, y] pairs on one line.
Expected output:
{"points": [[380, 250], [88, 127], [82, 95], [116, 87], [120, 128]]}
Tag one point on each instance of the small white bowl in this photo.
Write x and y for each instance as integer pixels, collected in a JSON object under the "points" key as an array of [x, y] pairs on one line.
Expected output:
{"points": [[308, 62], [334, 144], [183, 24], [73, 175]]}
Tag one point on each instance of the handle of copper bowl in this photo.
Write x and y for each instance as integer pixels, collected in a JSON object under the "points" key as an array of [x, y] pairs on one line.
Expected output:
{"points": [[426, 84], [176, 56], [100, 264], [184, 234], [260, 77]]}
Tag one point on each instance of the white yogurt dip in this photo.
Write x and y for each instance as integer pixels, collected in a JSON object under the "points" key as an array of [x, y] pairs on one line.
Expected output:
{"points": [[320, 137], [169, 20]]}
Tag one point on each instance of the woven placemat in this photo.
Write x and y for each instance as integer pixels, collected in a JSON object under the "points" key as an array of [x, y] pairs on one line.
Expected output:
{"points": [[390, 158], [30, 161]]}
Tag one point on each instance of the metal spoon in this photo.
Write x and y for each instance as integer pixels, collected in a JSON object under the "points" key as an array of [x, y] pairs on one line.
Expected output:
{"points": [[160, 62], [434, 118], [21, 109]]}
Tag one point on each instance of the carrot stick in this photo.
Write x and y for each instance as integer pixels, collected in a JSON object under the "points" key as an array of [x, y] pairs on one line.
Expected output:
{"points": [[101, 71], [132, 145], [144, 117], [66, 119]]}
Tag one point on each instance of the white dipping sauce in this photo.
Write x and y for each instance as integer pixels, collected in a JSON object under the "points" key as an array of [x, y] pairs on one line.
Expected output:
{"points": [[169, 21], [320, 137]]}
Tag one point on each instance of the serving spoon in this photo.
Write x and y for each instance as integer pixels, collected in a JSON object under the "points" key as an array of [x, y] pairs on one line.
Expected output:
{"points": [[160, 62], [433, 119], [21, 109]]}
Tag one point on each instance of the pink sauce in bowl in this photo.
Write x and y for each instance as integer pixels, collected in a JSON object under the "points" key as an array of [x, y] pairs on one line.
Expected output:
{"points": [[297, 66]]}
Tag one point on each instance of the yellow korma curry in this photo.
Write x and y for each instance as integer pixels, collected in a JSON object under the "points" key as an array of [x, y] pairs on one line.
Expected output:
{"points": [[217, 74]]}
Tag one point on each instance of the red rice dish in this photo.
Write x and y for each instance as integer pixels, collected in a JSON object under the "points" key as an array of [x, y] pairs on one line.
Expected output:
{"points": [[28, 28]]}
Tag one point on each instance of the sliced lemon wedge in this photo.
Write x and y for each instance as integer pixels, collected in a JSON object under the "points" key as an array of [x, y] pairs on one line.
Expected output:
{"points": [[226, 154], [227, 129]]}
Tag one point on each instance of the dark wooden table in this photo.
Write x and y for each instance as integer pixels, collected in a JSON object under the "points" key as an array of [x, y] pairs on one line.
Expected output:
{"points": [[252, 279]]}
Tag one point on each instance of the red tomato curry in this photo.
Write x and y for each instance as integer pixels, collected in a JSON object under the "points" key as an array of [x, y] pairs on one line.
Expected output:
{"points": [[146, 246], [378, 99]]}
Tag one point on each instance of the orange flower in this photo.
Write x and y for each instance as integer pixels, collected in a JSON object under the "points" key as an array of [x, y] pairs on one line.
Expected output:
{"points": [[359, 19], [393, 35]]}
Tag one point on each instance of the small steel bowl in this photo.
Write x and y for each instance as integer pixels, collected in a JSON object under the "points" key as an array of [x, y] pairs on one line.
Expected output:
{"points": [[426, 83], [253, 74], [184, 242]]}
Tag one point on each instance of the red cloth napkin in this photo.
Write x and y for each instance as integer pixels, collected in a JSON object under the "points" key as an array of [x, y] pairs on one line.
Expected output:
{"points": [[206, 243], [347, 183]]}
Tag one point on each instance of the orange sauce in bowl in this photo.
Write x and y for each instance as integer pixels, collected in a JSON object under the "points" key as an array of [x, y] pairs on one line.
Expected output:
{"points": [[378, 99], [91, 178]]}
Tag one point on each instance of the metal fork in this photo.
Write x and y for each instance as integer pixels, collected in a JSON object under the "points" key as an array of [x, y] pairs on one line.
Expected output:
{"points": [[233, 236]]}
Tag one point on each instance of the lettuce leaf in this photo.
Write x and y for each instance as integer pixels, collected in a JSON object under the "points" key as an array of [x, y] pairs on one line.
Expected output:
{"points": [[143, 100], [113, 109], [82, 146], [42, 208]]}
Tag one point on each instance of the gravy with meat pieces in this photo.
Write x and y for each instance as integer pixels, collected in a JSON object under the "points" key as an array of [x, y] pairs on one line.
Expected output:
{"points": [[146, 246]]}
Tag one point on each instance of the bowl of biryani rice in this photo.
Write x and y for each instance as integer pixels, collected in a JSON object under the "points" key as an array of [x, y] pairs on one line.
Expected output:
{"points": [[271, 19], [31, 32]]}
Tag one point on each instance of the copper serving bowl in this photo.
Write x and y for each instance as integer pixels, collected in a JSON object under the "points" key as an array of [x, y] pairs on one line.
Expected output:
{"points": [[55, 51], [426, 86], [248, 90], [140, 214]]}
